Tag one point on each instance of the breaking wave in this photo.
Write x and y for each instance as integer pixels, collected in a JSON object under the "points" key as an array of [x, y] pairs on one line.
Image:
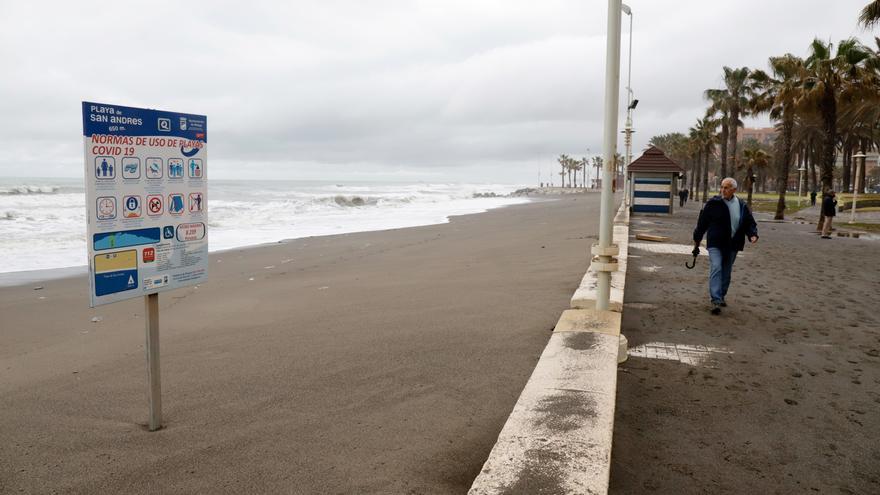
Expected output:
{"points": [[26, 189]]}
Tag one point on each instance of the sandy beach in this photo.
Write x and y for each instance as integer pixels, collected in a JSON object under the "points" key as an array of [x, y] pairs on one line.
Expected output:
{"points": [[379, 362], [778, 394]]}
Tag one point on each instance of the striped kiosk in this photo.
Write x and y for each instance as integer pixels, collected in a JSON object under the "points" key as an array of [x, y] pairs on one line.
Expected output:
{"points": [[654, 179]]}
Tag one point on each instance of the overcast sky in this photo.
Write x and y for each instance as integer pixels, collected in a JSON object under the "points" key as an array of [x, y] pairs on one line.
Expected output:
{"points": [[440, 90]]}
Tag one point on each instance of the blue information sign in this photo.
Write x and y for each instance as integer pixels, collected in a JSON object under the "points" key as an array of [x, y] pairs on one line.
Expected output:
{"points": [[146, 198]]}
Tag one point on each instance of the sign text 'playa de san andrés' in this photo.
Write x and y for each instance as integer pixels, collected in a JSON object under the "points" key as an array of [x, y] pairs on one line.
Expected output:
{"points": [[146, 200]]}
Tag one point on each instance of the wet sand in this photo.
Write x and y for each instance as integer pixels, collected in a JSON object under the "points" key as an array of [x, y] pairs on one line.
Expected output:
{"points": [[379, 362], [778, 394]]}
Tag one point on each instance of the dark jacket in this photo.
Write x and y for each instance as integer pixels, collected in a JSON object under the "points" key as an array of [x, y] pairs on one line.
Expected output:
{"points": [[714, 222], [829, 205]]}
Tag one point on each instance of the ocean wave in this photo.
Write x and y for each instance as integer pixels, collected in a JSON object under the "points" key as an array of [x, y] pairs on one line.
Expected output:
{"points": [[25, 189], [354, 201]]}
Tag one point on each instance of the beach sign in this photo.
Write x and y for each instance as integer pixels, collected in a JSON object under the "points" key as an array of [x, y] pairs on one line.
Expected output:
{"points": [[146, 174]]}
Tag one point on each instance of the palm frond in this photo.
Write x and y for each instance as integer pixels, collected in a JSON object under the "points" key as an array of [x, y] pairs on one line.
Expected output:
{"points": [[870, 15]]}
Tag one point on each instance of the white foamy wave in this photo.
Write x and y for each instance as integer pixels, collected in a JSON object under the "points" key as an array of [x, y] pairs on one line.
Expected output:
{"points": [[47, 230], [28, 189]]}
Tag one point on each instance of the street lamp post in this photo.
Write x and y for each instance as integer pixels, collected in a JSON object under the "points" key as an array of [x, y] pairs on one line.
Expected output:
{"points": [[604, 250], [630, 106], [860, 164]]}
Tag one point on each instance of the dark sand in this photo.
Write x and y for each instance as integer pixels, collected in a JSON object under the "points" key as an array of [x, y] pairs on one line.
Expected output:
{"points": [[381, 362], [793, 409]]}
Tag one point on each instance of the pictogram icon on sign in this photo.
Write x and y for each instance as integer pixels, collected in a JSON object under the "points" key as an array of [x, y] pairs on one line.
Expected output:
{"points": [[131, 207], [105, 167], [168, 232], [154, 168], [195, 202], [195, 168], [175, 168], [131, 168], [149, 255], [154, 205], [164, 124], [175, 204], [106, 208]]}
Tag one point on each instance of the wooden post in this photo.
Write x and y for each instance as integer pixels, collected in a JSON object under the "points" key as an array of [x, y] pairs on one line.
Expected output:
{"points": [[151, 306]]}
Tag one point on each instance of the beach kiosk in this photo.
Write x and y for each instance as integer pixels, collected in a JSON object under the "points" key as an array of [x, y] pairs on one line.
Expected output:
{"points": [[654, 179]]}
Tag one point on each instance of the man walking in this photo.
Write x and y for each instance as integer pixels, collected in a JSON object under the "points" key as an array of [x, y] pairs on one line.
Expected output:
{"points": [[829, 209], [726, 221]]}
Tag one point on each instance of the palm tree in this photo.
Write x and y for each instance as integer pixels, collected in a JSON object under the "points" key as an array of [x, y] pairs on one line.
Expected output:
{"points": [[870, 15], [696, 149], [585, 164], [830, 77], [719, 106], [575, 166], [753, 158], [779, 96], [740, 92], [807, 138], [563, 161], [707, 139], [598, 164]]}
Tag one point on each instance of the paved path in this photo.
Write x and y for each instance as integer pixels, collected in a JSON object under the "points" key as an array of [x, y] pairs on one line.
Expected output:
{"points": [[779, 394]]}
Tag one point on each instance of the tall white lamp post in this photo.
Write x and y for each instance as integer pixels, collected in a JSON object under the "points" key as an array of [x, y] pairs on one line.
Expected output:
{"points": [[630, 106], [860, 164], [604, 249]]}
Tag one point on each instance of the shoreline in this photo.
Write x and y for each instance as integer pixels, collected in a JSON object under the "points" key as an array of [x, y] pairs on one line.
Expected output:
{"points": [[373, 362], [26, 277]]}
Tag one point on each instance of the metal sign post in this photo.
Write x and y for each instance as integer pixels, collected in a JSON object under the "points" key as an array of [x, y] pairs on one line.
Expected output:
{"points": [[151, 310]]}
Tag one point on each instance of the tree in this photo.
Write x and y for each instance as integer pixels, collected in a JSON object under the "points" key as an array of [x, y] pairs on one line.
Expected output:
{"points": [[870, 15], [575, 167], [720, 99], [585, 164], [739, 94], [598, 163], [753, 158], [829, 77], [779, 95], [705, 139], [563, 162]]}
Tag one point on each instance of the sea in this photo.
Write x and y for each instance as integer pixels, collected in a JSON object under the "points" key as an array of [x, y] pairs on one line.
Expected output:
{"points": [[43, 221]]}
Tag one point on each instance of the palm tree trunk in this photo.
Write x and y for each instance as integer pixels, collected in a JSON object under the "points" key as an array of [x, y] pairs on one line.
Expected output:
{"points": [[864, 147], [829, 117], [706, 174], [784, 166], [847, 174], [692, 179], [724, 136], [751, 184], [732, 130], [812, 153]]}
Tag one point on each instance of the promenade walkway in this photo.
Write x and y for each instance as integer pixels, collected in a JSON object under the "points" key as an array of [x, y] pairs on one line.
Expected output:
{"points": [[778, 394]]}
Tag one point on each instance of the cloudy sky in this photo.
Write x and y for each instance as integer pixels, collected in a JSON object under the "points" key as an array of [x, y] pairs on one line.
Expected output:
{"points": [[411, 90]]}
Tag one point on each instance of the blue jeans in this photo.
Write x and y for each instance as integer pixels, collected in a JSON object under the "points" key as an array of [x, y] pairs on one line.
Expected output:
{"points": [[720, 266]]}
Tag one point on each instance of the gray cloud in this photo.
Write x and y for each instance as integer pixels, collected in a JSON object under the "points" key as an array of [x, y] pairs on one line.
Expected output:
{"points": [[451, 90]]}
